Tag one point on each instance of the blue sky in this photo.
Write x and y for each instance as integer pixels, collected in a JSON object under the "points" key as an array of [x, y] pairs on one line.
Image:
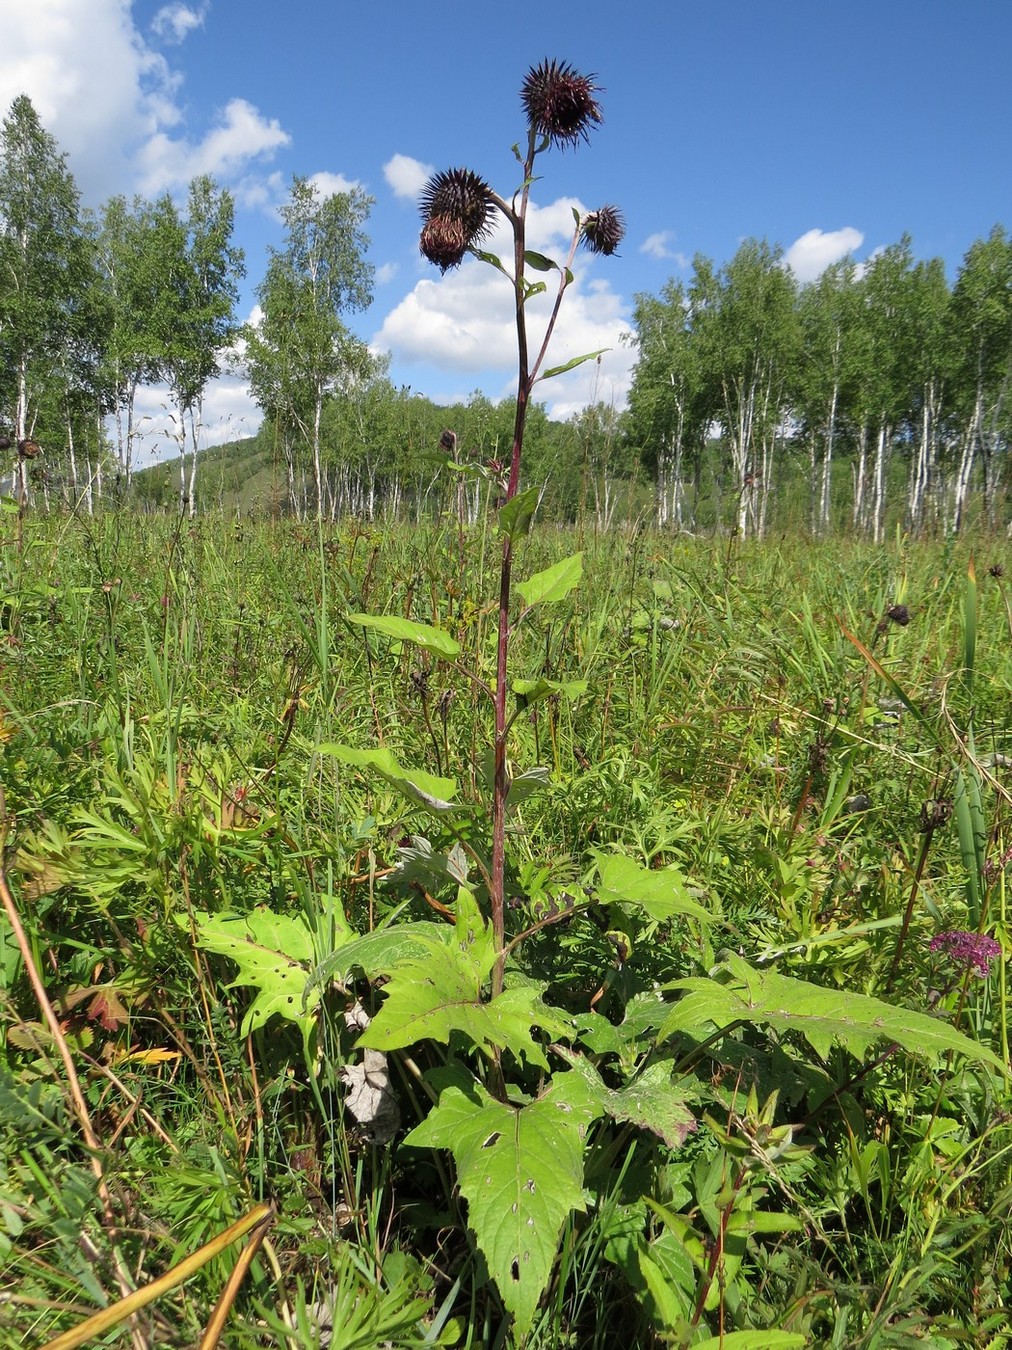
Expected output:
{"points": [[827, 129]]}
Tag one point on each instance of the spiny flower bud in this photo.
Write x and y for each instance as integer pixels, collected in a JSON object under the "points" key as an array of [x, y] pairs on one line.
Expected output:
{"points": [[560, 102], [455, 208], [603, 230]]}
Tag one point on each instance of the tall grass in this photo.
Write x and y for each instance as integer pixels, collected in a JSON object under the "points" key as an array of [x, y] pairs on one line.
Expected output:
{"points": [[752, 715]]}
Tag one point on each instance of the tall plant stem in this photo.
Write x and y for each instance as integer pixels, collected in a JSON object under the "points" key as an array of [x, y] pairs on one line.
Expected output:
{"points": [[500, 782]]}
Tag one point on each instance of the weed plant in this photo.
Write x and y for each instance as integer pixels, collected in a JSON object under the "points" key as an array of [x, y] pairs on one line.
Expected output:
{"points": [[613, 955]]}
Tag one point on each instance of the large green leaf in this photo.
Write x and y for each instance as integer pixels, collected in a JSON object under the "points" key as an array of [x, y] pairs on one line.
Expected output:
{"points": [[273, 952], [661, 894], [520, 1168], [423, 788], [554, 583], [377, 953], [653, 1101], [421, 635], [822, 1016], [437, 992]]}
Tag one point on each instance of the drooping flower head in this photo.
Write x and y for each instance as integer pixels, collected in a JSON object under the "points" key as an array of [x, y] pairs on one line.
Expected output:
{"points": [[602, 230], [455, 207], [560, 102], [968, 951]]}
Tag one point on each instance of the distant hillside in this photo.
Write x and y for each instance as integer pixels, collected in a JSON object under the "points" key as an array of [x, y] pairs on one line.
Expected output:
{"points": [[239, 474]]}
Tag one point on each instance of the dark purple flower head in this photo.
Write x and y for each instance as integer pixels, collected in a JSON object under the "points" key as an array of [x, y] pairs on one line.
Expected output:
{"points": [[455, 207], [969, 951], [603, 230], [560, 102]]}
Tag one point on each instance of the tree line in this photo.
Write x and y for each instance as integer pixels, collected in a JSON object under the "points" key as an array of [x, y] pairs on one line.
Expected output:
{"points": [[878, 393], [880, 386]]}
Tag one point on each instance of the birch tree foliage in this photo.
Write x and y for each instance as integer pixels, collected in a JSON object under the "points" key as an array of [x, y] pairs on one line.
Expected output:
{"points": [[668, 413], [751, 348], [827, 314], [296, 356], [981, 326], [42, 261]]}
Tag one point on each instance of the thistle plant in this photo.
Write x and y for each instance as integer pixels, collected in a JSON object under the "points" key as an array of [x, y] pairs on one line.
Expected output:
{"points": [[458, 211]]}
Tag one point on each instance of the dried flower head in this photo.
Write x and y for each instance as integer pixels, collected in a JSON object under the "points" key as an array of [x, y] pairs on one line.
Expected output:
{"points": [[560, 102], [455, 207], [997, 571], [602, 230], [968, 951], [899, 614]]}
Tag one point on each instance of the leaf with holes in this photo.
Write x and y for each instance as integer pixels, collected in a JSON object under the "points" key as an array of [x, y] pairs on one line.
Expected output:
{"points": [[520, 1168], [654, 1101], [273, 953]]}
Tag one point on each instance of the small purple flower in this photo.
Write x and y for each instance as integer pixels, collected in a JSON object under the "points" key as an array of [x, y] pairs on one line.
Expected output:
{"points": [[971, 951]]}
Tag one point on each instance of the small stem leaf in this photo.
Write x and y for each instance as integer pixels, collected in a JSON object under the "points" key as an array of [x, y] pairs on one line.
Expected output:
{"points": [[539, 262], [516, 516], [554, 583], [569, 365], [533, 288], [659, 894], [421, 635], [534, 691], [492, 261], [425, 789], [521, 1171], [823, 1016]]}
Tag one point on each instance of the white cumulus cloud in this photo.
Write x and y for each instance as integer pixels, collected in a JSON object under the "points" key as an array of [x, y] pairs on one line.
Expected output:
{"points": [[406, 176], [331, 184], [809, 256], [242, 134], [112, 100], [174, 22]]}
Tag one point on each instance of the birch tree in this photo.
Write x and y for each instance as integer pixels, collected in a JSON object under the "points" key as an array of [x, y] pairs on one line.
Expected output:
{"points": [[982, 333], [297, 353], [43, 265]]}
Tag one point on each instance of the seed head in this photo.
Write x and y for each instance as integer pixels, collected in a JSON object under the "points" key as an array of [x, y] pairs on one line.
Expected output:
{"points": [[899, 614], [602, 230], [560, 102], [455, 208]]}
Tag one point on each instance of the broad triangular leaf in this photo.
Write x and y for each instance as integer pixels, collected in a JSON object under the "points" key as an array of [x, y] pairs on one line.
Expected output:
{"points": [[661, 894], [379, 952], [554, 583], [521, 1171], [438, 992], [653, 1101], [822, 1016], [421, 635], [272, 952]]}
